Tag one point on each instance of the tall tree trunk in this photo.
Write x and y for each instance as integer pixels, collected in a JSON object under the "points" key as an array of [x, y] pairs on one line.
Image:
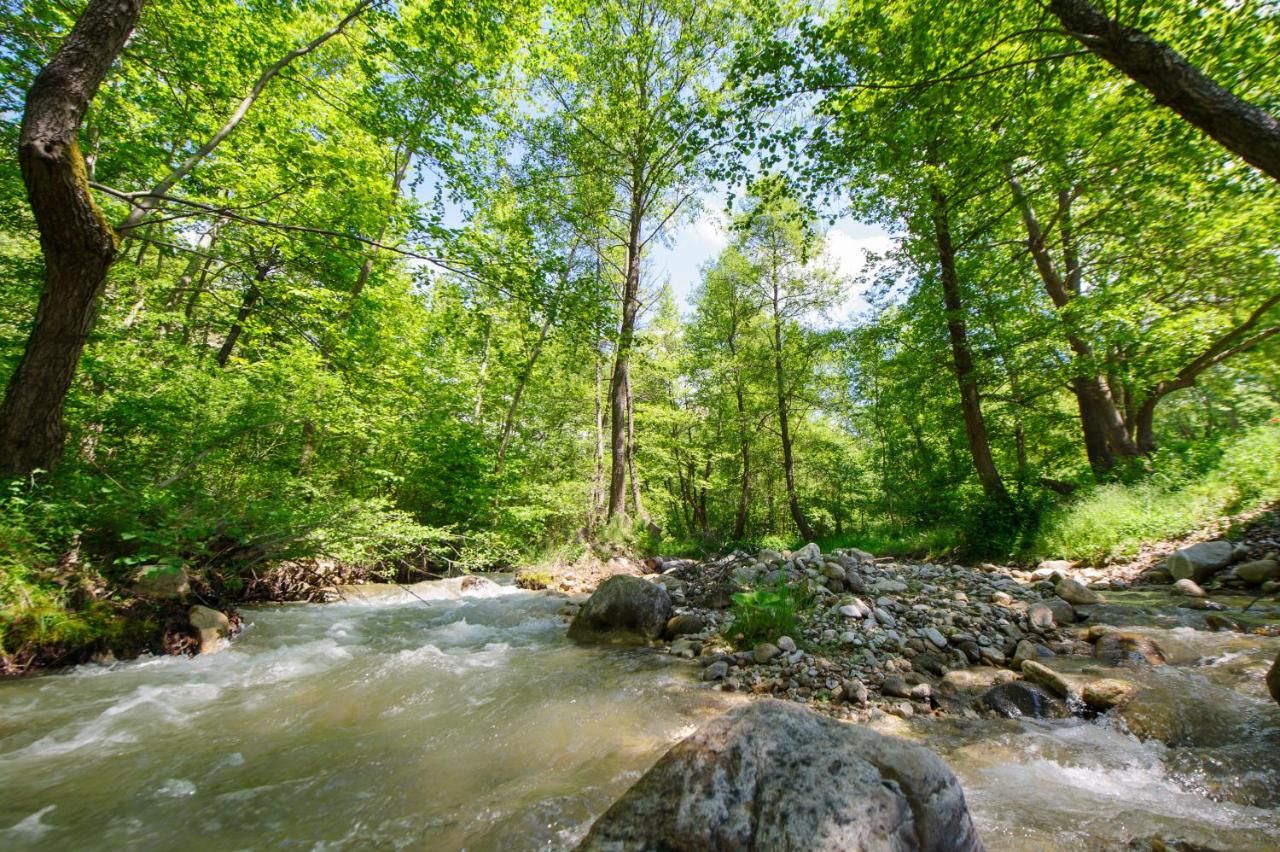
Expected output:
{"points": [[631, 455], [744, 443], [784, 424], [975, 426], [77, 243], [247, 304], [508, 424], [1103, 427], [598, 498], [1234, 123], [483, 375], [618, 385]]}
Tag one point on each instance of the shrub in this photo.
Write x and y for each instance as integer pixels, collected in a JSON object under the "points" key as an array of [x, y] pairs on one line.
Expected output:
{"points": [[762, 615]]}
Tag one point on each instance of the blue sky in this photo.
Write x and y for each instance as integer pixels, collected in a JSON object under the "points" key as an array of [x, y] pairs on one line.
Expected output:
{"points": [[699, 240]]}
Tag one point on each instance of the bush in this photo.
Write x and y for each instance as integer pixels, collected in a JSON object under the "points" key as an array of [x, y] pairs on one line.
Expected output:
{"points": [[1183, 492], [762, 615]]}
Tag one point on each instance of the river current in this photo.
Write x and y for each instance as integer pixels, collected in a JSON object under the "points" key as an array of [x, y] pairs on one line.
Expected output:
{"points": [[450, 720]]}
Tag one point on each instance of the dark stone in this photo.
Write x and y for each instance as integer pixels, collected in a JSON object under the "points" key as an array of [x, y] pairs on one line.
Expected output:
{"points": [[1018, 698], [773, 775]]}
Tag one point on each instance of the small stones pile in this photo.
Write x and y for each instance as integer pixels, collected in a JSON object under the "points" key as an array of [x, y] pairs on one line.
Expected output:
{"points": [[881, 633]]}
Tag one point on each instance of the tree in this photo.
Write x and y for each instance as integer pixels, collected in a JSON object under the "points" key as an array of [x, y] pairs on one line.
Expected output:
{"points": [[628, 81], [1243, 128], [78, 244]]}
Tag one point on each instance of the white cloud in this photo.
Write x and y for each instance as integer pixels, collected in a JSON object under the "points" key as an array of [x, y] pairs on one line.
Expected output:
{"points": [[849, 253], [710, 228]]}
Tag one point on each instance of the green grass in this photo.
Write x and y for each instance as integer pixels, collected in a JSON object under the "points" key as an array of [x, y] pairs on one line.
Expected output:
{"points": [[1180, 496], [763, 615]]}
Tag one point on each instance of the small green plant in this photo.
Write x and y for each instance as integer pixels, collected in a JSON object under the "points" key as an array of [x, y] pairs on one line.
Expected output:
{"points": [[534, 579], [762, 615]]}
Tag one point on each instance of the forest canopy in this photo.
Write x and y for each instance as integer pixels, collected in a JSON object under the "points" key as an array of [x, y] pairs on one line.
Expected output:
{"points": [[377, 283]]}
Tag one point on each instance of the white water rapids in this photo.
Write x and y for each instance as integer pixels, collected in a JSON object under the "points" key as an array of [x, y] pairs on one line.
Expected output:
{"points": [[469, 721]]}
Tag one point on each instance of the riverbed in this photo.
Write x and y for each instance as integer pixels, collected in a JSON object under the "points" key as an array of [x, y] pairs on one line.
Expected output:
{"points": [[449, 720]]}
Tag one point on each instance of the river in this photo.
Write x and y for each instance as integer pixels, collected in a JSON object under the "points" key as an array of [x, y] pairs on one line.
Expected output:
{"points": [[468, 721]]}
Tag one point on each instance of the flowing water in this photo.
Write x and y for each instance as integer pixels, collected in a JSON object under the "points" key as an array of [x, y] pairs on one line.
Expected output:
{"points": [[450, 721]]}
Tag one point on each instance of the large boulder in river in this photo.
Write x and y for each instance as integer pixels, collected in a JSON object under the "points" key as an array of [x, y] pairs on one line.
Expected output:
{"points": [[623, 610], [774, 775], [1128, 649], [210, 626], [1200, 561]]}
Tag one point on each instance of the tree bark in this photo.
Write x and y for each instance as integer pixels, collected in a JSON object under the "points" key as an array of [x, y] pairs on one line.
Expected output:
{"points": [[251, 295], [1237, 125], [970, 400], [508, 424], [1104, 429], [784, 423], [620, 381], [744, 492], [78, 244]]}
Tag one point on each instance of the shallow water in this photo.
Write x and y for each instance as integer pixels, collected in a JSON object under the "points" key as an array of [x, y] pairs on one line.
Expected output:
{"points": [[451, 721], [397, 723]]}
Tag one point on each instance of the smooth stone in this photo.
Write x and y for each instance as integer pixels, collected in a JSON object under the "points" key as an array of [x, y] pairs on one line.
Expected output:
{"points": [[623, 610], [680, 625], [765, 651], [1019, 698], [932, 634], [716, 671], [1257, 572], [1076, 593], [737, 783], [210, 625], [1128, 649], [1103, 694], [1273, 680], [786, 644], [1044, 676], [1200, 561], [1187, 587], [1040, 618]]}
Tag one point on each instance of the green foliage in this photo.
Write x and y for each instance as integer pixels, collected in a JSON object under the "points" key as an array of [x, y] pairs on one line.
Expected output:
{"points": [[762, 615], [1185, 491]]}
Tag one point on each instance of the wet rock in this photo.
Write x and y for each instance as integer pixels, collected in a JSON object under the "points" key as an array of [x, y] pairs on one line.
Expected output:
{"points": [[1128, 649], [895, 686], [716, 671], [1188, 588], [160, 581], [765, 651], [1105, 693], [1040, 617], [681, 625], [1029, 650], [473, 583], [961, 689], [1063, 612], [1019, 698], [1200, 561], [1218, 622], [1273, 680], [1077, 593], [210, 627], [623, 610], [1257, 572], [685, 648], [1203, 604], [772, 775], [1044, 676]]}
